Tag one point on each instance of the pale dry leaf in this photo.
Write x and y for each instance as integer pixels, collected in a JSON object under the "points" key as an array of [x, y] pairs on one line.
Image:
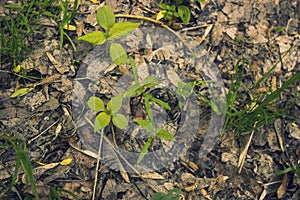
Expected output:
{"points": [[263, 194], [282, 188], [231, 32], [217, 34], [80, 28], [152, 175], [58, 129], [86, 152], [278, 130], [193, 165], [243, 154], [173, 77], [206, 32], [52, 59], [204, 193]]}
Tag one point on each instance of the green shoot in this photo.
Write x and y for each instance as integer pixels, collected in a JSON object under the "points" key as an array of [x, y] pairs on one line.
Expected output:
{"points": [[106, 19]]}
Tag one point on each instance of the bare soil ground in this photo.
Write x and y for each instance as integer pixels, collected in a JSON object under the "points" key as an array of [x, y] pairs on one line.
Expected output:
{"points": [[227, 31]]}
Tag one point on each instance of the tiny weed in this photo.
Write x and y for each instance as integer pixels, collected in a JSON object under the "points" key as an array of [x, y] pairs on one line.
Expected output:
{"points": [[56, 194], [261, 110], [19, 26], [172, 195], [23, 20], [175, 10], [106, 19], [22, 160], [295, 170], [108, 113]]}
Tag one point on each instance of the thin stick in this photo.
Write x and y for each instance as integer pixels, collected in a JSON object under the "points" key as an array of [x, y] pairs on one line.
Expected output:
{"points": [[97, 166], [42, 132], [243, 154]]}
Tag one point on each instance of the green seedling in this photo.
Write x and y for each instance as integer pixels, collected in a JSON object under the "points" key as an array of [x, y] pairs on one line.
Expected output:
{"points": [[172, 195], [186, 89], [22, 160], [109, 113], [176, 10], [264, 109], [63, 17], [295, 170], [56, 194], [106, 19], [148, 124], [20, 24]]}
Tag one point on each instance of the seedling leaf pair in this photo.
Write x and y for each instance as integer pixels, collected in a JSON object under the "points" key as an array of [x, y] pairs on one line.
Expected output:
{"points": [[106, 19], [107, 114]]}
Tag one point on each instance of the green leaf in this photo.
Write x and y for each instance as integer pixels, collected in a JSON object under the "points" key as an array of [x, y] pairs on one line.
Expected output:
{"points": [[172, 8], [172, 195], [133, 90], [101, 121], [184, 14], [54, 194], [118, 54], [105, 17], [164, 134], [27, 167], [297, 170], [150, 81], [115, 104], [161, 14], [134, 70], [164, 6], [96, 104], [148, 108], [158, 196], [120, 121], [121, 29], [21, 92], [145, 124], [95, 37], [144, 150], [184, 89], [284, 171], [160, 102]]}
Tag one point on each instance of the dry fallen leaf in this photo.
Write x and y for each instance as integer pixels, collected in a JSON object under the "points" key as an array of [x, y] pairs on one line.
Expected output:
{"points": [[66, 161], [282, 188], [152, 175], [69, 27]]}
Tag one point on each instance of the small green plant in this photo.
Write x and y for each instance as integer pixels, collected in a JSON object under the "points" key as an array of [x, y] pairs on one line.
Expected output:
{"points": [[22, 160], [260, 110], [175, 10], [295, 170], [108, 113], [56, 194], [171, 195], [16, 28], [106, 19], [63, 17], [141, 89]]}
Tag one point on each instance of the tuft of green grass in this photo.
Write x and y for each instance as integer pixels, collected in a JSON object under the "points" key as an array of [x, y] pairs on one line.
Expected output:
{"points": [[20, 24], [24, 19], [22, 160], [262, 109]]}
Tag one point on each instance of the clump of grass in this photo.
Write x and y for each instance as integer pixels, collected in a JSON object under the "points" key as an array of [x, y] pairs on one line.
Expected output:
{"points": [[22, 160], [24, 19], [260, 109], [20, 24]]}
